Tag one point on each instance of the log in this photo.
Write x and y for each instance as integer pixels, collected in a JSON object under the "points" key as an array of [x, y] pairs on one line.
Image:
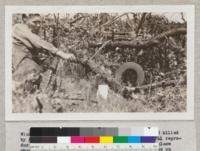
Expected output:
{"points": [[112, 82], [142, 44]]}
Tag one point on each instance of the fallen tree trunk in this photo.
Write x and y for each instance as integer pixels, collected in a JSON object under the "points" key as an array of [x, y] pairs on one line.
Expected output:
{"points": [[112, 82], [116, 86], [142, 44]]}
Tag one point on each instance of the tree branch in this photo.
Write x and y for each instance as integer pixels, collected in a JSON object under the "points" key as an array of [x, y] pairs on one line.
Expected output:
{"points": [[140, 23], [142, 44], [112, 21]]}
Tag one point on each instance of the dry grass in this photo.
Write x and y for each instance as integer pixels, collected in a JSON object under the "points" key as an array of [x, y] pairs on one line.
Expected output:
{"points": [[80, 96]]}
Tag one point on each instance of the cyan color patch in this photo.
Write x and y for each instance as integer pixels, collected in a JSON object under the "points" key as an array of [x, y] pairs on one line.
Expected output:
{"points": [[134, 139]]}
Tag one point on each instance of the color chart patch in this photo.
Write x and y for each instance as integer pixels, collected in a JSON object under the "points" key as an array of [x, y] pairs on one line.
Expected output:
{"points": [[93, 138]]}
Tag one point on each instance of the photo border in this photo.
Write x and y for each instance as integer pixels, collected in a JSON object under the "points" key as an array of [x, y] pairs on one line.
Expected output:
{"points": [[188, 115]]}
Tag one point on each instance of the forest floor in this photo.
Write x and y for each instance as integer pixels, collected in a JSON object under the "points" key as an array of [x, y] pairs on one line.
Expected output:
{"points": [[81, 96]]}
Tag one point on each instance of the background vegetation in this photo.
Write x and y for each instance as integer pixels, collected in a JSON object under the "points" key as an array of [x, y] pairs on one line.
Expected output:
{"points": [[109, 40]]}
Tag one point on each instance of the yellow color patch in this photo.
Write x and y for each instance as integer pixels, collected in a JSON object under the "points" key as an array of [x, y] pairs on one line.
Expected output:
{"points": [[106, 139]]}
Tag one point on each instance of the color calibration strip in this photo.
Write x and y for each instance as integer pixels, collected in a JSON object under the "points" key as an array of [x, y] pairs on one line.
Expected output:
{"points": [[94, 139], [47, 138]]}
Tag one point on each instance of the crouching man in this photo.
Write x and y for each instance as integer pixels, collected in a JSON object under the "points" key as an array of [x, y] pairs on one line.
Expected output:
{"points": [[26, 46]]}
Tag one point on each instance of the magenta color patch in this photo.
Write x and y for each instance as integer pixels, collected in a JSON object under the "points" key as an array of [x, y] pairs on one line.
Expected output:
{"points": [[77, 139]]}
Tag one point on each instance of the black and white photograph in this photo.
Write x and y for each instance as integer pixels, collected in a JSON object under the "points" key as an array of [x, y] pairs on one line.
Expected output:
{"points": [[105, 60]]}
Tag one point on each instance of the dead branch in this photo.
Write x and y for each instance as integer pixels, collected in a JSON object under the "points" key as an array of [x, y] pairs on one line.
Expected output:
{"points": [[100, 49], [130, 22], [142, 44], [182, 17], [112, 21], [77, 19], [159, 84], [140, 23], [155, 85], [130, 44], [39, 105], [172, 32]]}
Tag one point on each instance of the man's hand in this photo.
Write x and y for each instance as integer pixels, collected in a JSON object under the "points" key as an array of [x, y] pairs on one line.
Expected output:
{"points": [[67, 56]]}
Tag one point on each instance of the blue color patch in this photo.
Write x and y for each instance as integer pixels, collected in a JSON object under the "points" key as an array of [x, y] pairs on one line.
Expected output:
{"points": [[134, 139], [148, 139]]}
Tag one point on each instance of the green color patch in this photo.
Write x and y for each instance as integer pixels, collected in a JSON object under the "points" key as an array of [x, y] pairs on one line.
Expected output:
{"points": [[120, 139]]}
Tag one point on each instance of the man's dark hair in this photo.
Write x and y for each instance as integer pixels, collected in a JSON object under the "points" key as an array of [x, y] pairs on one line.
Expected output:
{"points": [[25, 16], [34, 15]]}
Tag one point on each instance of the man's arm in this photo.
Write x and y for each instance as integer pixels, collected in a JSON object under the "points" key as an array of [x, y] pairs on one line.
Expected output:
{"points": [[23, 33]]}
